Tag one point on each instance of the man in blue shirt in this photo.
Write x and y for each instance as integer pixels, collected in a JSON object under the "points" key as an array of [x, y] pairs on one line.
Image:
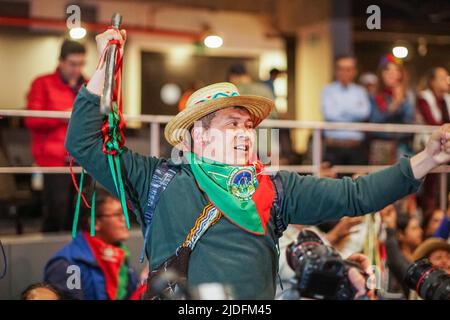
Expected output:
{"points": [[345, 101]]}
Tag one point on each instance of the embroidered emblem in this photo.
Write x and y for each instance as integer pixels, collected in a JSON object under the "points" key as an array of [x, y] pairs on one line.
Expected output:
{"points": [[241, 183]]}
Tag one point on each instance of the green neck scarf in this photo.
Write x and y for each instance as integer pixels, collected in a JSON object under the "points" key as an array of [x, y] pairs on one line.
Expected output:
{"points": [[233, 190]]}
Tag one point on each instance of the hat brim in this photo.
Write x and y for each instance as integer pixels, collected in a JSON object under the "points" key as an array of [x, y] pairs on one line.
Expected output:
{"points": [[258, 107], [430, 245]]}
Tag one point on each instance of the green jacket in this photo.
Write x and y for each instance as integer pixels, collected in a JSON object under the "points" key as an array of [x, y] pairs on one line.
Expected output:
{"points": [[226, 253]]}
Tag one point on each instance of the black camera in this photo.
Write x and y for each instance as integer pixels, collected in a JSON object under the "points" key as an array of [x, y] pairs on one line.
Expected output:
{"points": [[429, 282], [320, 271]]}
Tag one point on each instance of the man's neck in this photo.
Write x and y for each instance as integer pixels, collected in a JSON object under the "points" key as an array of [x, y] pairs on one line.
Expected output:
{"points": [[73, 83], [344, 84], [218, 159]]}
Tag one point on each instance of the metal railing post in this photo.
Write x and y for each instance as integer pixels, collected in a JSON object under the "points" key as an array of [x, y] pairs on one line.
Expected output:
{"points": [[154, 139], [443, 191], [317, 150]]}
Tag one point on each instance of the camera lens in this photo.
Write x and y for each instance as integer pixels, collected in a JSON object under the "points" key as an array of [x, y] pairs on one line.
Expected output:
{"points": [[430, 283]]}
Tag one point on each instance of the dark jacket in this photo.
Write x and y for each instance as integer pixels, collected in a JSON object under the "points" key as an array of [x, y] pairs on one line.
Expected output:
{"points": [[93, 286], [226, 253]]}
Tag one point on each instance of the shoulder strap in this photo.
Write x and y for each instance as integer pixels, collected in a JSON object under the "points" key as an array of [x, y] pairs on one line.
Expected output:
{"points": [[208, 217], [160, 180], [279, 195]]}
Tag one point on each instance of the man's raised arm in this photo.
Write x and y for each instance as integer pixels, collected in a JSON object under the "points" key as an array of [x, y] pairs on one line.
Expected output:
{"points": [[311, 200], [84, 139]]}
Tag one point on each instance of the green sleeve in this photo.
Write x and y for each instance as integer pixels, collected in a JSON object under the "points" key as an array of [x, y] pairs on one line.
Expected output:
{"points": [[310, 200], [84, 142]]}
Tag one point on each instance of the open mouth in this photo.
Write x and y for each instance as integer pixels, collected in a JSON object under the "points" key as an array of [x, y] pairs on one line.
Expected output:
{"points": [[242, 147]]}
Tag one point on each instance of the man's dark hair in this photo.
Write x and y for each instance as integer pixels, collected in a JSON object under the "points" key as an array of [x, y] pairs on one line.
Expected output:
{"points": [[71, 47], [274, 72], [26, 292]]}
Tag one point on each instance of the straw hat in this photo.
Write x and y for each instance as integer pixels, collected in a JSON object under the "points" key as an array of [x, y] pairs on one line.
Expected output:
{"points": [[210, 99], [430, 245]]}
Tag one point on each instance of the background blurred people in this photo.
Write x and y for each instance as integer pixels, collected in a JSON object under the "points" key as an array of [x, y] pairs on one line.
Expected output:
{"points": [[396, 260], [102, 259], [369, 81], [345, 101], [433, 108], [390, 104], [273, 75], [409, 234], [55, 92], [431, 222], [433, 102], [194, 86], [437, 251], [238, 75], [41, 291], [443, 231]]}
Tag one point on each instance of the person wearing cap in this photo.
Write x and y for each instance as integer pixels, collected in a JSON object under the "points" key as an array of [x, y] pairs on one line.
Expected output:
{"points": [[220, 172], [437, 251]]}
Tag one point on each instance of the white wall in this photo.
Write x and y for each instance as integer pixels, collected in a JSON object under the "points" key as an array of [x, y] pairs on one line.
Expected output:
{"points": [[24, 57]]}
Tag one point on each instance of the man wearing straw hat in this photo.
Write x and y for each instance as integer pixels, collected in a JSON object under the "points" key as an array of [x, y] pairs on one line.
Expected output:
{"points": [[220, 211]]}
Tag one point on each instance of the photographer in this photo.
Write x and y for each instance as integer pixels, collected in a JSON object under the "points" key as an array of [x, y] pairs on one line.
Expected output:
{"points": [[319, 272], [429, 276], [437, 251]]}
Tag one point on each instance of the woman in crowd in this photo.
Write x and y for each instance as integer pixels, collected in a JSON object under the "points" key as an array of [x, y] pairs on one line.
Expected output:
{"points": [[403, 236], [392, 103], [433, 108], [431, 222]]}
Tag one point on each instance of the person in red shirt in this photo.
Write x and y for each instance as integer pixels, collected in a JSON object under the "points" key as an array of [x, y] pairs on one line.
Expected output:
{"points": [[55, 92], [434, 102], [433, 106]]}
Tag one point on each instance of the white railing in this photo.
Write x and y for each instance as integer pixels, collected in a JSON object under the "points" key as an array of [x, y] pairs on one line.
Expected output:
{"points": [[316, 126]]}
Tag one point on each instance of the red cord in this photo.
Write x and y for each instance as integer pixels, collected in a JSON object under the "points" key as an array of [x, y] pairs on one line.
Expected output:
{"points": [[75, 183]]}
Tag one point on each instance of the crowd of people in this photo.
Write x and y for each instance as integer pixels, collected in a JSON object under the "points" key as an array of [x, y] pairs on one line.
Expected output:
{"points": [[383, 97], [392, 238]]}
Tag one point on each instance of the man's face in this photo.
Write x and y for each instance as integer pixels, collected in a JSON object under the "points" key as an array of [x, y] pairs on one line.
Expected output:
{"points": [[72, 66], [440, 259], [229, 138], [345, 70], [110, 223], [440, 83]]}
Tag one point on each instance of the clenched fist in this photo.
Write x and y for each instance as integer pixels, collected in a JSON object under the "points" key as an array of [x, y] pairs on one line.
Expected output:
{"points": [[436, 152], [102, 40], [438, 146], [95, 85]]}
